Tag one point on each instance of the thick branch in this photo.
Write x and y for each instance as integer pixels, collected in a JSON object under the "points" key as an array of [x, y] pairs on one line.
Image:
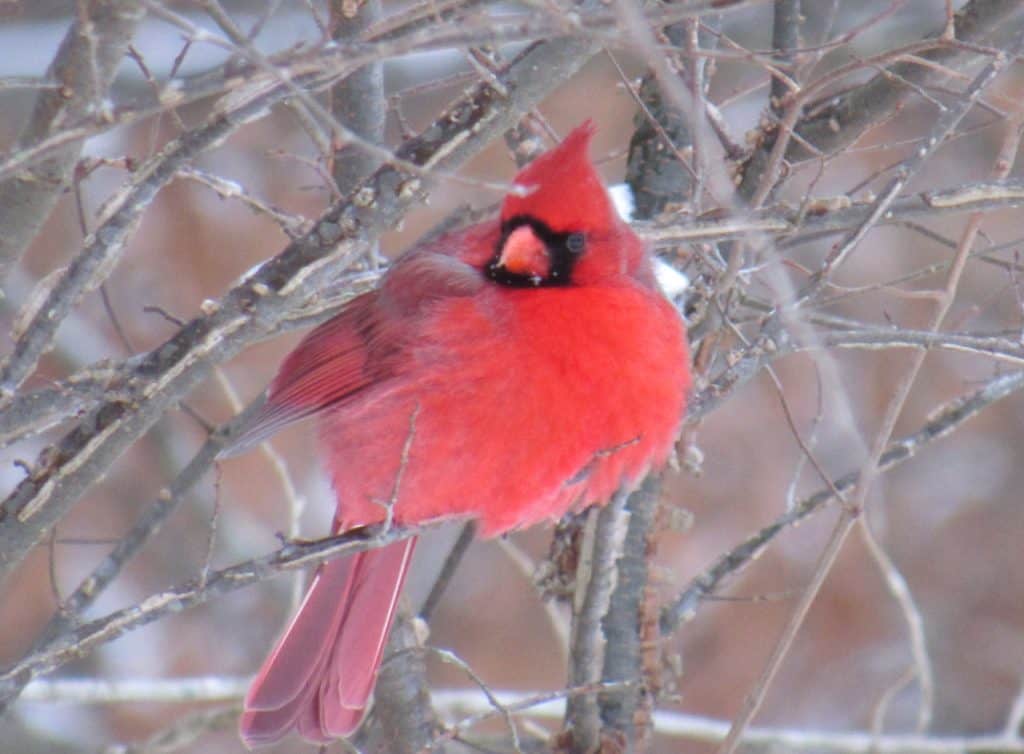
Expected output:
{"points": [[402, 721], [604, 535], [625, 625], [359, 101], [83, 70]]}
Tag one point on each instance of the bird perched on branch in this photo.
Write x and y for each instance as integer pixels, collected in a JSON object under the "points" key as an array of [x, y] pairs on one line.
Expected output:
{"points": [[509, 372]]}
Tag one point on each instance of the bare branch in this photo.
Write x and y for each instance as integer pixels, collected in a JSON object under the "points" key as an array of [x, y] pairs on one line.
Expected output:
{"points": [[604, 535], [843, 119], [629, 626], [82, 639], [402, 719], [946, 419], [80, 77], [459, 702]]}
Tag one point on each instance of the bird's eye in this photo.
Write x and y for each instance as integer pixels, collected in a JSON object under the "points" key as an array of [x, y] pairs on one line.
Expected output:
{"points": [[576, 243]]}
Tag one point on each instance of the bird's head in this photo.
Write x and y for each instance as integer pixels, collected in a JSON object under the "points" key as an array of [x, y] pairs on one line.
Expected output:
{"points": [[561, 227]]}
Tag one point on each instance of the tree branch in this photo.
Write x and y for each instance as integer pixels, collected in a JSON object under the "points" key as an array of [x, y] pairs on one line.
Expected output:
{"points": [[82, 71], [948, 418]]}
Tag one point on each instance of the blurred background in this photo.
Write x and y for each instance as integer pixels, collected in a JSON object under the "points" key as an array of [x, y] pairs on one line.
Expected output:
{"points": [[948, 524]]}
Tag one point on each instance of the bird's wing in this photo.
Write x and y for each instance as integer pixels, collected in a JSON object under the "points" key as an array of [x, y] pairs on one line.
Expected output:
{"points": [[360, 347]]}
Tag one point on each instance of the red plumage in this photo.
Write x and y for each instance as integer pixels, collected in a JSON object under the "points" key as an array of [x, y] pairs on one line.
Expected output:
{"points": [[523, 367]]}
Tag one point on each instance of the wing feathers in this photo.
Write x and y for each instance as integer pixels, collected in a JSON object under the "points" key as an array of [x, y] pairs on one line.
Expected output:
{"points": [[361, 347]]}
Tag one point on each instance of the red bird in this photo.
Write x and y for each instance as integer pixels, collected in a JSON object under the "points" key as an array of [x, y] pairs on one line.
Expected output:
{"points": [[511, 371]]}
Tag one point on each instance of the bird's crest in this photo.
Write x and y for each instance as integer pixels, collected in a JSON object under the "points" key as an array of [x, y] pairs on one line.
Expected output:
{"points": [[563, 189]]}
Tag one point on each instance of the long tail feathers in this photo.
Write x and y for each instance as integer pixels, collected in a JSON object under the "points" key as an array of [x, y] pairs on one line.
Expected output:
{"points": [[320, 675]]}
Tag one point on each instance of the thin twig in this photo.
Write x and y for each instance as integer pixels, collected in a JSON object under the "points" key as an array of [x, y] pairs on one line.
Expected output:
{"points": [[946, 419]]}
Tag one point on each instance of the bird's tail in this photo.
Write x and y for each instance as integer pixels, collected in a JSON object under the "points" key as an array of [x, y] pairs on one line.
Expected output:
{"points": [[320, 675]]}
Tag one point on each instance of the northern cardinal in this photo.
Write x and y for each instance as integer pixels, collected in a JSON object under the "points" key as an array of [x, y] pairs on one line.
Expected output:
{"points": [[510, 372]]}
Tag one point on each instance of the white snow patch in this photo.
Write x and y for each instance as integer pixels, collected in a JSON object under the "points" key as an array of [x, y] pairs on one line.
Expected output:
{"points": [[672, 281], [622, 198]]}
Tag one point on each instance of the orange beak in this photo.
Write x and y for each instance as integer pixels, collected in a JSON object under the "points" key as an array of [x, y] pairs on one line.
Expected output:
{"points": [[525, 254]]}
